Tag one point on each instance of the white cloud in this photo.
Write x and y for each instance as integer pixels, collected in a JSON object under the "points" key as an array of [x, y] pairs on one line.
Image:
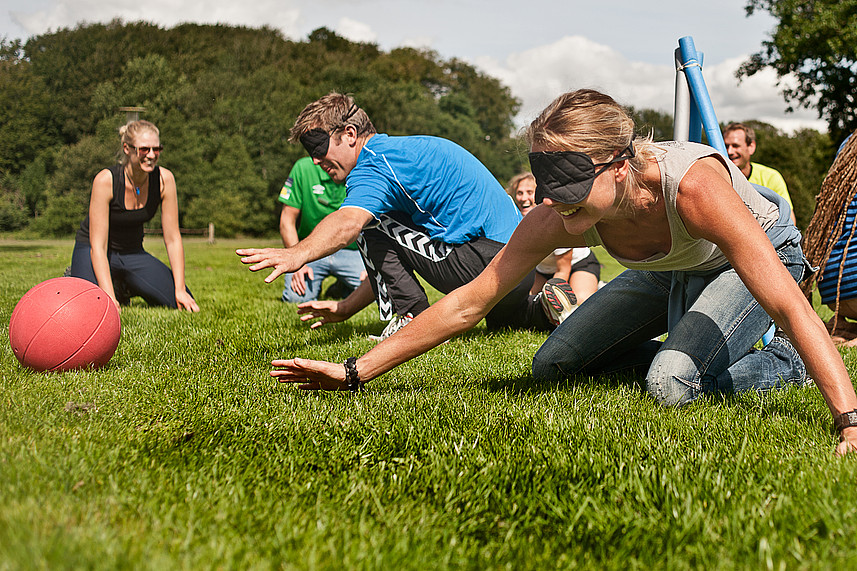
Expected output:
{"points": [[419, 42], [536, 76], [356, 31], [167, 13]]}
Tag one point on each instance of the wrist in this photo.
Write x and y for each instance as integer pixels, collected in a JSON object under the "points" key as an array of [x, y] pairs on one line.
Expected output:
{"points": [[846, 423], [352, 376]]}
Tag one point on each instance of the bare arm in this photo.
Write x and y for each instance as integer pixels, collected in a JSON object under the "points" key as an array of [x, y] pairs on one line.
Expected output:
{"points": [[99, 227], [326, 311], [173, 239], [289, 225], [712, 210], [334, 232], [538, 234]]}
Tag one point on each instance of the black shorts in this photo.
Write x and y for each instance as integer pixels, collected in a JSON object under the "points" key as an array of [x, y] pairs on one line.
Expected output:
{"points": [[588, 264]]}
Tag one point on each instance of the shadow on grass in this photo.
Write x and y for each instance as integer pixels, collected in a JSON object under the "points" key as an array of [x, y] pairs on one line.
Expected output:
{"points": [[530, 385], [20, 248]]}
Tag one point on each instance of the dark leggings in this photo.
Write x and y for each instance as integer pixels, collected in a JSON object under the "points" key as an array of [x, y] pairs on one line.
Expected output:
{"points": [[136, 273]]}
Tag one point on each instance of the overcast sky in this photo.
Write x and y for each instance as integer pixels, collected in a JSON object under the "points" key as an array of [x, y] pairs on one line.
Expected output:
{"points": [[539, 48]]}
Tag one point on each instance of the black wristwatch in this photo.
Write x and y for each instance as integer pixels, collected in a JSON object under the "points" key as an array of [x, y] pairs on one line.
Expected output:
{"points": [[352, 379], [845, 420]]}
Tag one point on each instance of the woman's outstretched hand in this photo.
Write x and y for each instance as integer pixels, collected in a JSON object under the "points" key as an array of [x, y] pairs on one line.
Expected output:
{"points": [[312, 375]]}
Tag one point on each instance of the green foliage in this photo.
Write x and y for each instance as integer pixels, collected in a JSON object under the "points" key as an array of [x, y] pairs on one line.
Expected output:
{"points": [[184, 453], [652, 122], [218, 89], [13, 215], [27, 119], [816, 42], [803, 159], [232, 197], [67, 194]]}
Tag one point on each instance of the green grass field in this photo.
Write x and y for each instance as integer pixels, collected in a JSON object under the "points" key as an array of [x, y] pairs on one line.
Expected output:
{"points": [[183, 453]]}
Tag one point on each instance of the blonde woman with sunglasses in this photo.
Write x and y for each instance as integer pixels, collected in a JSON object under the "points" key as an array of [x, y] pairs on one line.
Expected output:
{"points": [[108, 247], [710, 257]]}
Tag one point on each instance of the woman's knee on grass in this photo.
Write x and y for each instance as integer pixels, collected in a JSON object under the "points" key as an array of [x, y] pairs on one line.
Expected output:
{"points": [[673, 378]]}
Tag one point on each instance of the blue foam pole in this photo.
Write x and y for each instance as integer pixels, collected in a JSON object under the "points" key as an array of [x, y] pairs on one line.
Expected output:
{"points": [[695, 133], [693, 72], [691, 63]]}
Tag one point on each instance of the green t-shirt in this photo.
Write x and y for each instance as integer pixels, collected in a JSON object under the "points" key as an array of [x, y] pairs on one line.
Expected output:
{"points": [[314, 193], [770, 178]]}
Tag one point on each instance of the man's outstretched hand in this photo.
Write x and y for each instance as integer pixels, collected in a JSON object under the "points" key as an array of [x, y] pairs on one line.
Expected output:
{"points": [[323, 311], [281, 259]]}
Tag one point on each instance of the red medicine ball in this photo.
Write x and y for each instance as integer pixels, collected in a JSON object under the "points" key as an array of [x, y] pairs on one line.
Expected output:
{"points": [[63, 324]]}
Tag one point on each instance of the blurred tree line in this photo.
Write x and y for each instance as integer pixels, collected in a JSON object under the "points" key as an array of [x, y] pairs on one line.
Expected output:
{"points": [[224, 99]]}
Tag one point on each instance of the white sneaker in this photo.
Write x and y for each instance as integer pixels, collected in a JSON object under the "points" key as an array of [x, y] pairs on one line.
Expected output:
{"points": [[558, 300], [395, 324]]}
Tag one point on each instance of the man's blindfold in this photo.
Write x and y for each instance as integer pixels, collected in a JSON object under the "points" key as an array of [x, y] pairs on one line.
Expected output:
{"points": [[317, 141]]}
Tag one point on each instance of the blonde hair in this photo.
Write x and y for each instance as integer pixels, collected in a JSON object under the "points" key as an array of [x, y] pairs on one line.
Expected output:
{"points": [[332, 113], [129, 132], [591, 122], [516, 180]]}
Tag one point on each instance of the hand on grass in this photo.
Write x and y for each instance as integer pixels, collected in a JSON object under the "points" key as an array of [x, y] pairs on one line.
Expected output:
{"points": [[299, 279], [312, 375], [324, 311], [281, 259], [847, 442], [185, 301]]}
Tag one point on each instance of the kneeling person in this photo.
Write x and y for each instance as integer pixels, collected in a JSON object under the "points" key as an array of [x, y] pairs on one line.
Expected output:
{"points": [[308, 195], [419, 205]]}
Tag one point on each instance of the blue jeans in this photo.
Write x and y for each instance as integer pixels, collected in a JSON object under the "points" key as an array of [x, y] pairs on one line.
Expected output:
{"points": [[709, 349], [347, 265]]}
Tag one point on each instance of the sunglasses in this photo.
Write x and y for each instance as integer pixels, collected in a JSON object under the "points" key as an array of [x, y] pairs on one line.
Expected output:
{"points": [[567, 176], [144, 151], [317, 141]]}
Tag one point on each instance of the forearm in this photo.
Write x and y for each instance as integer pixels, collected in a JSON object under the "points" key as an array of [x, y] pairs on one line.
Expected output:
{"points": [[358, 299], [288, 233], [823, 363], [563, 265], [453, 314], [333, 233], [101, 269], [175, 253]]}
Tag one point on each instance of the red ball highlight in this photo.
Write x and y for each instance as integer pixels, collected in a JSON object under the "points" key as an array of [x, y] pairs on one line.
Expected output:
{"points": [[63, 324]]}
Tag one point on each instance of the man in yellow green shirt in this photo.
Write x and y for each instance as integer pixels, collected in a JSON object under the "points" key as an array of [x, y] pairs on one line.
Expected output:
{"points": [[740, 142]]}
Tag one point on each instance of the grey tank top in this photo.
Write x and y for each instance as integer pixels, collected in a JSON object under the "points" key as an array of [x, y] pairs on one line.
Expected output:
{"points": [[687, 253]]}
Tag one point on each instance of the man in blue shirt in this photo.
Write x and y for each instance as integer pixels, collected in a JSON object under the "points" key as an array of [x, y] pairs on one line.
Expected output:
{"points": [[419, 205]]}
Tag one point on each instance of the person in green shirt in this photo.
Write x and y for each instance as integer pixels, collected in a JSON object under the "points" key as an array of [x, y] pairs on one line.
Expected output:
{"points": [[740, 142], [308, 195]]}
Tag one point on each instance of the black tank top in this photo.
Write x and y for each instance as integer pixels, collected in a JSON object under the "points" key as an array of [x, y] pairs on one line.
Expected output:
{"points": [[125, 234]]}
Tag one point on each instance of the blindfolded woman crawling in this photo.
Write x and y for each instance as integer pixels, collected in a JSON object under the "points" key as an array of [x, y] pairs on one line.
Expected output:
{"points": [[710, 257]]}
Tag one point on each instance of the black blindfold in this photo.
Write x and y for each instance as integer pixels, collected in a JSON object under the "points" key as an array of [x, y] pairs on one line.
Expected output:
{"points": [[567, 176], [317, 141]]}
